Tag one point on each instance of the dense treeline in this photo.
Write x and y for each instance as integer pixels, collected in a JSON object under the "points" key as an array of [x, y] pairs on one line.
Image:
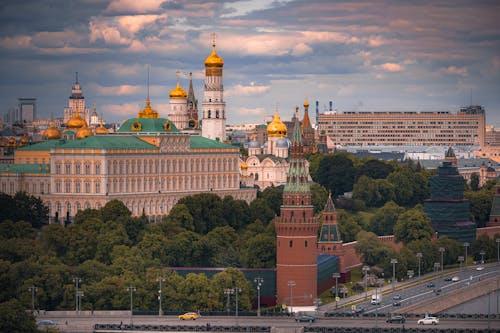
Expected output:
{"points": [[109, 250]]}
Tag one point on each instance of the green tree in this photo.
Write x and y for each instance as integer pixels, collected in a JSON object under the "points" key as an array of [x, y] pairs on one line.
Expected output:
{"points": [[412, 225], [224, 243], [236, 212], [179, 216], [206, 210], [376, 169], [480, 205], [113, 210], [337, 173], [273, 196], [196, 289], [259, 251], [260, 210], [383, 221], [347, 226], [230, 279], [410, 188], [15, 319], [373, 250], [474, 181], [374, 192], [319, 195], [23, 207]]}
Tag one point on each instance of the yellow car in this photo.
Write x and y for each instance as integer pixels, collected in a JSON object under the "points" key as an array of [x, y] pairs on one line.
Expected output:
{"points": [[189, 315]]}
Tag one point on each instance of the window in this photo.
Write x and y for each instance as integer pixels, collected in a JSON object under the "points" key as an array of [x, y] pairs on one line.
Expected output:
{"points": [[98, 168], [42, 187], [87, 187], [58, 187], [291, 243], [305, 244], [77, 186], [67, 185], [77, 168], [87, 169], [58, 168], [67, 168], [97, 187]]}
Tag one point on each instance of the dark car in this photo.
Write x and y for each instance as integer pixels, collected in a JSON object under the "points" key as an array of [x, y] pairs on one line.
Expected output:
{"points": [[437, 291], [47, 323], [396, 303], [448, 278], [430, 285], [396, 319], [305, 318]]}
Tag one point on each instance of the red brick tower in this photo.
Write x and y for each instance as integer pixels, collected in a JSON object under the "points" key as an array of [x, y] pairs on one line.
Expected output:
{"points": [[297, 232]]}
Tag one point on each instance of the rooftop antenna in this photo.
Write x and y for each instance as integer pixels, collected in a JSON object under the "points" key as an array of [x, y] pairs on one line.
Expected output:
{"points": [[76, 76], [470, 96]]}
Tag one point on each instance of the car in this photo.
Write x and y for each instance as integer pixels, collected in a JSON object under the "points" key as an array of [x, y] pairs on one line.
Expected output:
{"points": [[358, 309], [47, 323], [448, 278], [455, 279], [189, 315], [437, 291], [396, 303], [396, 319], [396, 297], [305, 318], [479, 268], [430, 285], [428, 321]]}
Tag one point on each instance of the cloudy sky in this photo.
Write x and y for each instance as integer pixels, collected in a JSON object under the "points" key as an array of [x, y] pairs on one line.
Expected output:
{"points": [[364, 55]]}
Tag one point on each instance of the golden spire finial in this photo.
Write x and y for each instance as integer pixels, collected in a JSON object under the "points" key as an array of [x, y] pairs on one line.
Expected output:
{"points": [[213, 39]]}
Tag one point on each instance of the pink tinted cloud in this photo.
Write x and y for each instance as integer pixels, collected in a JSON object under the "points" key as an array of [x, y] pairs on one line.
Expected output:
{"points": [[134, 6], [392, 67], [241, 90], [453, 70]]}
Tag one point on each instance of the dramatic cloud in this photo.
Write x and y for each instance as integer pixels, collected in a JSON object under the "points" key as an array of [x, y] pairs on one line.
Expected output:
{"points": [[246, 90], [390, 67]]}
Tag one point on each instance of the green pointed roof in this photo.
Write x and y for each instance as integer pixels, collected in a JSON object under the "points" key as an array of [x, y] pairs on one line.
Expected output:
{"points": [[147, 125]]}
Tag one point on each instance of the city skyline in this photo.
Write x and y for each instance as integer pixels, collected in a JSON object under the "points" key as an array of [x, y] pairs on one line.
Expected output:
{"points": [[428, 56]]}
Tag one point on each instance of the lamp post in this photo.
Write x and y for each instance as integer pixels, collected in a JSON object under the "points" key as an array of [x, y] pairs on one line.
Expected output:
{"points": [[365, 271], [259, 281], [336, 277], [131, 289], [460, 260], [466, 245], [393, 262], [76, 280], [160, 295], [436, 267], [79, 295], [482, 253], [498, 249], [33, 290], [419, 258], [291, 284], [441, 249], [228, 292], [237, 290]]}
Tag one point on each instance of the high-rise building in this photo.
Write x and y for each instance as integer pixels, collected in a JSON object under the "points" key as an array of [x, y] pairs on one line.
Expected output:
{"points": [[27, 110], [464, 128], [76, 103], [213, 124], [297, 233]]}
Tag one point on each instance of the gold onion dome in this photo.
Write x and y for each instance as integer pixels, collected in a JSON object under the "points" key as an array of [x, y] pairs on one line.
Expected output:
{"points": [[101, 129], [213, 60], [83, 132], [52, 132], [76, 121], [276, 127], [148, 111], [306, 104], [244, 166], [178, 92]]}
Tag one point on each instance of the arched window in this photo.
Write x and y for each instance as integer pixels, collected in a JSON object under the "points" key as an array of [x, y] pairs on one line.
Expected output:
{"points": [[305, 244], [291, 243]]}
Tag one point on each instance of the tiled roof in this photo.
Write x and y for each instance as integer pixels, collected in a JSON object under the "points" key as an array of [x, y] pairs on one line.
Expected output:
{"points": [[109, 142], [43, 146], [197, 142], [147, 125]]}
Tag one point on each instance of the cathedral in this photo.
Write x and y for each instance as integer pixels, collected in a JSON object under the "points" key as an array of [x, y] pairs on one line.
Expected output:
{"points": [[149, 163]]}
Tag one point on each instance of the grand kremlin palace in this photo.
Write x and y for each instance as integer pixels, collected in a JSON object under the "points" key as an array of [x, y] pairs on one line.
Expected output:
{"points": [[148, 164]]}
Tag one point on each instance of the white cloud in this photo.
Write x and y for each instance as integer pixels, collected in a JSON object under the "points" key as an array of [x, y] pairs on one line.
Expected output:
{"points": [[134, 23], [391, 67], [134, 6], [120, 90], [240, 90], [18, 42], [462, 71], [104, 30], [250, 111]]}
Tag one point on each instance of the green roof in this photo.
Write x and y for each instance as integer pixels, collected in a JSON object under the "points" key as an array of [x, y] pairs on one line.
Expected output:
{"points": [[495, 207], [202, 142], [45, 145], [147, 125], [25, 168], [109, 142]]}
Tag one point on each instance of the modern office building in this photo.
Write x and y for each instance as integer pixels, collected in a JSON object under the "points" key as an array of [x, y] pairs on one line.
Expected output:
{"points": [[464, 128], [27, 111]]}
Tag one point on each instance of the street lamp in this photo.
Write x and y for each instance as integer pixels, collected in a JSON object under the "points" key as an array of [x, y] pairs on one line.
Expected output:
{"points": [[161, 279], [131, 289], [466, 245], [460, 260], [237, 290], [336, 277], [228, 292], [79, 295], [498, 249], [393, 262], [33, 290], [365, 271], [259, 281], [441, 249], [419, 258], [482, 253], [436, 267], [291, 284], [76, 280]]}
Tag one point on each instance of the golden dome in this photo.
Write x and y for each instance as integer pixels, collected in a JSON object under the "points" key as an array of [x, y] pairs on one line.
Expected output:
{"points": [[178, 92], [244, 166], [101, 129], [148, 111], [213, 60], [76, 121], [52, 132], [24, 140], [83, 132], [306, 104], [276, 127]]}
